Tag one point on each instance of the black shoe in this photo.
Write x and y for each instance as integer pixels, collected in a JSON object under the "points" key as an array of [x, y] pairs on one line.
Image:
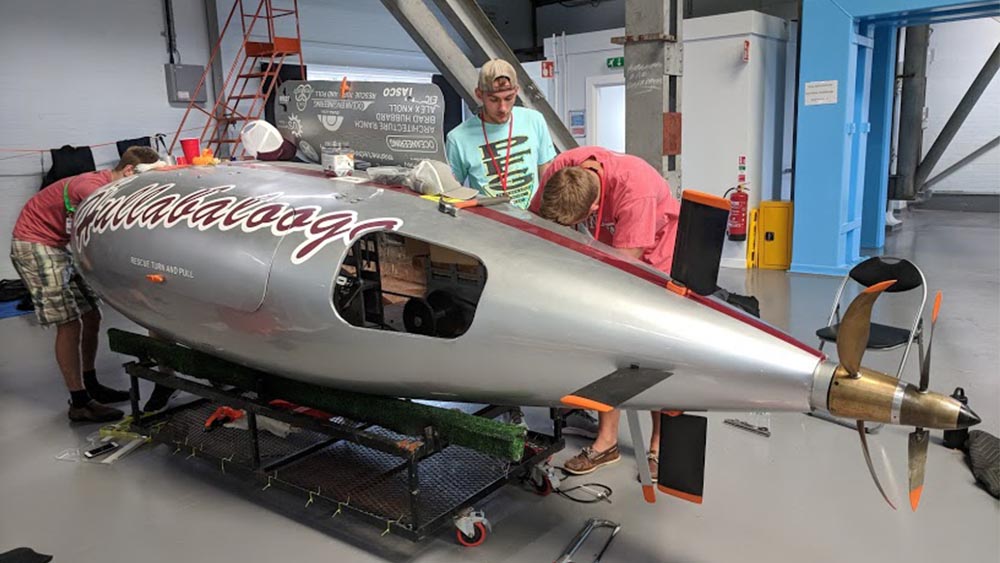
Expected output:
{"points": [[94, 412], [158, 399], [107, 395]]}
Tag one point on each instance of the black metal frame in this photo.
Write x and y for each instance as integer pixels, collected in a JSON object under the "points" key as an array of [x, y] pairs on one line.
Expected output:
{"points": [[411, 452]]}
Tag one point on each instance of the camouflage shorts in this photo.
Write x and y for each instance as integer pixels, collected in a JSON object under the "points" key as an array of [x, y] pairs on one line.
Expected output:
{"points": [[60, 295]]}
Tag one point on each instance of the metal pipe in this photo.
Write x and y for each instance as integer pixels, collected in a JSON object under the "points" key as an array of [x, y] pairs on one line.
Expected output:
{"points": [[962, 162], [133, 397], [567, 555], [911, 112], [215, 61], [254, 438], [958, 117]]}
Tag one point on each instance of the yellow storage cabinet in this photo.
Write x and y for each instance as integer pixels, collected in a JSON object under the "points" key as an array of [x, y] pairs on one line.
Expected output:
{"points": [[774, 235]]}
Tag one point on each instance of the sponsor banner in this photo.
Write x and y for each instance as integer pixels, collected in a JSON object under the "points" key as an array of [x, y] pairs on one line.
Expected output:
{"points": [[387, 123]]}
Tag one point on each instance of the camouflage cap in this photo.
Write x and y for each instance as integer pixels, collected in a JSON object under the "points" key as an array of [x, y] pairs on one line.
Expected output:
{"points": [[494, 70]]}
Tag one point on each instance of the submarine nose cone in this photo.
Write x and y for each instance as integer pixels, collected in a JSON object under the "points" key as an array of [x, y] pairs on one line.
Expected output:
{"points": [[967, 418]]}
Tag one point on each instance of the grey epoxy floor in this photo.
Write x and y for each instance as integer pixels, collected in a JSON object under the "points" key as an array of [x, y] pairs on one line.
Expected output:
{"points": [[802, 495]]}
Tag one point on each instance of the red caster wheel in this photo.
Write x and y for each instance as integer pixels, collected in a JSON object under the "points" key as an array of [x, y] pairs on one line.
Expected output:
{"points": [[542, 488], [476, 539]]}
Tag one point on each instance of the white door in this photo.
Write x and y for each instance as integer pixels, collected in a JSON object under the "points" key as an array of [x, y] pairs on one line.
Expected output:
{"points": [[605, 118]]}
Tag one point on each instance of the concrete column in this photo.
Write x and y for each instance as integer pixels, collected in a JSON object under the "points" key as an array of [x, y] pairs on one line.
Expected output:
{"points": [[653, 84]]}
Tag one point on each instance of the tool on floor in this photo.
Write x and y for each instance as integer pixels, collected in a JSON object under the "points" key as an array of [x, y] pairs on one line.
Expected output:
{"points": [[567, 555], [100, 450], [452, 208], [221, 416], [744, 425], [124, 451]]}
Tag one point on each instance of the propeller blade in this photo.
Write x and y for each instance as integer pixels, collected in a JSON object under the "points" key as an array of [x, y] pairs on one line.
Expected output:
{"points": [[917, 460], [925, 368], [852, 335], [868, 459]]}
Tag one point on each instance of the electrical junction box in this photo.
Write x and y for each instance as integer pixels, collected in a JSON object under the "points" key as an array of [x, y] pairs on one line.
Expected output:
{"points": [[182, 80]]}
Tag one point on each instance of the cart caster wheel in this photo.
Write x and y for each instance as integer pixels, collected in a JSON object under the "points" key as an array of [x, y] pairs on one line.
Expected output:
{"points": [[542, 488], [476, 539]]}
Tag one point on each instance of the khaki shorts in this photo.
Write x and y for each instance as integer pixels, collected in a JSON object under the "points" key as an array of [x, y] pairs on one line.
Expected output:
{"points": [[60, 295]]}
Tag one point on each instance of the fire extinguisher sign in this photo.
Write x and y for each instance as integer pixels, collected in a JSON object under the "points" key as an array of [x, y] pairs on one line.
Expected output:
{"points": [[741, 169], [548, 69]]}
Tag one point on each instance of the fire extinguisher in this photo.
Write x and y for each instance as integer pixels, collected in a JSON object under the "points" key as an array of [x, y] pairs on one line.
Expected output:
{"points": [[739, 205]]}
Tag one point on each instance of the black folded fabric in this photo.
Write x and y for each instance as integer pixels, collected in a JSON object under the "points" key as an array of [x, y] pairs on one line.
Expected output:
{"points": [[68, 161], [124, 144], [12, 290], [984, 460], [24, 555]]}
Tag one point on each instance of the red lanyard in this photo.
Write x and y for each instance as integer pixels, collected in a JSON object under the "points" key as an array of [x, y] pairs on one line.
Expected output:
{"points": [[600, 201], [489, 147]]}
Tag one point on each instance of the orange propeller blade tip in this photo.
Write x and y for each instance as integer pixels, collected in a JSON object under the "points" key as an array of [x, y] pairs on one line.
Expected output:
{"points": [[881, 286], [649, 493], [585, 403], [937, 307], [915, 497]]}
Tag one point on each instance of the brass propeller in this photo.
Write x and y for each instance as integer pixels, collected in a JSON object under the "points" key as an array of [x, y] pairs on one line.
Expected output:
{"points": [[919, 438], [852, 335], [852, 340]]}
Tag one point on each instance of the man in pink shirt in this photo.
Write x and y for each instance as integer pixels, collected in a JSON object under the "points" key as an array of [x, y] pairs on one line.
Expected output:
{"points": [[61, 297], [625, 203]]}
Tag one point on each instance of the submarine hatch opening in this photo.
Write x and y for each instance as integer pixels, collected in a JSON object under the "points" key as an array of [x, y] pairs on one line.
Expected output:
{"points": [[394, 282]]}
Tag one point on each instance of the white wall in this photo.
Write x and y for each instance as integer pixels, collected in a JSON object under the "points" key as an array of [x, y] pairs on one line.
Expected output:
{"points": [[578, 57], [83, 73], [957, 53], [735, 108], [732, 107]]}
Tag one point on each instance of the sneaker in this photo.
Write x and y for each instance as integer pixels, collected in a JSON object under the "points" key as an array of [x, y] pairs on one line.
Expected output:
{"points": [[158, 399], [94, 412], [581, 423], [590, 460], [653, 460], [107, 395]]}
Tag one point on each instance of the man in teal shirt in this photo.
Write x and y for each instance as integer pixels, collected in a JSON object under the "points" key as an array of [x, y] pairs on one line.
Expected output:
{"points": [[504, 149]]}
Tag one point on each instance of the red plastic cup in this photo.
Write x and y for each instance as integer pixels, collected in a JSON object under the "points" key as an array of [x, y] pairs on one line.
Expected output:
{"points": [[190, 148], [181, 161]]}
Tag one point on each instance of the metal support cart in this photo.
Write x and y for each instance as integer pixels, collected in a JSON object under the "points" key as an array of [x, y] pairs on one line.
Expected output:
{"points": [[408, 485]]}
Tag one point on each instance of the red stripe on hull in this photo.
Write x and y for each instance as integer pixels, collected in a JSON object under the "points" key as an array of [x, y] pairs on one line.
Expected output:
{"points": [[590, 251], [637, 271]]}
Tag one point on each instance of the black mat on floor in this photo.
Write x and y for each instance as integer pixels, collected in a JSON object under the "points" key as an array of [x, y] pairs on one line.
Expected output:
{"points": [[983, 203], [24, 555]]}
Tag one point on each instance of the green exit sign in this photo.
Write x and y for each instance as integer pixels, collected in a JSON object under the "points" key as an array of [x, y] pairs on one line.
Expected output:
{"points": [[616, 62]]}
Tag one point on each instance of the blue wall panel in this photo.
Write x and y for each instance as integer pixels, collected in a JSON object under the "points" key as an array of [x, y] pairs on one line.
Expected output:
{"points": [[842, 148]]}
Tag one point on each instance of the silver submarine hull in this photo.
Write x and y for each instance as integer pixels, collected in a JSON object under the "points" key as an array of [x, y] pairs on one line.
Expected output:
{"points": [[253, 263]]}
